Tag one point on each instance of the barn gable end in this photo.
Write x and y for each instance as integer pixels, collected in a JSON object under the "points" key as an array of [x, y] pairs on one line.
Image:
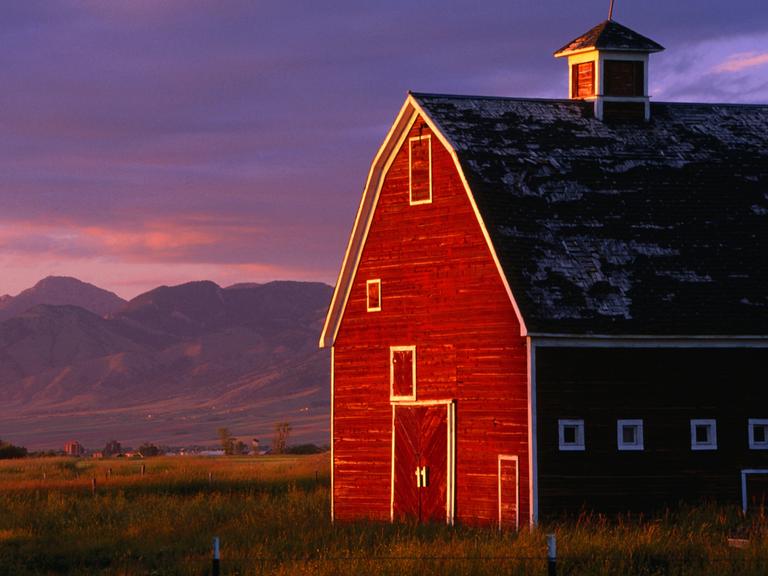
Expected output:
{"points": [[443, 298]]}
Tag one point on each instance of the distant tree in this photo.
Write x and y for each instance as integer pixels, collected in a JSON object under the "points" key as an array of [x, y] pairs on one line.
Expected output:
{"points": [[113, 448], [227, 441], [282, 432], [304, 449], [240, 447], [147, 450], [8, 451]]}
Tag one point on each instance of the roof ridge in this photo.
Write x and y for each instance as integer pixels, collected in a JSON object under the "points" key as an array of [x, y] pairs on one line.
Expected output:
{"points": [[579, 102]]}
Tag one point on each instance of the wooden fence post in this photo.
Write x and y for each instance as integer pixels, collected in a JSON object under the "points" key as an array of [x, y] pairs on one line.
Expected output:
{"points": [[143, 469], [551, 555], [93, 485], [215, 568]]}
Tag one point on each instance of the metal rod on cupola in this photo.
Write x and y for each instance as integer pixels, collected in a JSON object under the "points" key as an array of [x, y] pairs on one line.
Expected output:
{"points": [[610, 11]]}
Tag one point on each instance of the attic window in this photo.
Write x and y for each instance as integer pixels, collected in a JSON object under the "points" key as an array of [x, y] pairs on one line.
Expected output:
{"points": [[570, 435], [420, 169], [623, 78], [703, 435], [758, 434], [630, 434], [402, 373], [583, 80], [373, 295]]}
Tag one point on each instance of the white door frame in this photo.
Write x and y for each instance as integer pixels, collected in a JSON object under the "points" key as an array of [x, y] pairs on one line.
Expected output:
{"points": [[744, 495], [516, 460], [450, 461]]}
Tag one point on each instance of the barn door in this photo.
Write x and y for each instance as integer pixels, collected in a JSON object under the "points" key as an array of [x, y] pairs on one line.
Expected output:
{"points": [[509, 493], [422, 462]]}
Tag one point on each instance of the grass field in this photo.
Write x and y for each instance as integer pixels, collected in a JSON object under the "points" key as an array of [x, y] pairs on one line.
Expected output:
{"points": [[271, 514]]}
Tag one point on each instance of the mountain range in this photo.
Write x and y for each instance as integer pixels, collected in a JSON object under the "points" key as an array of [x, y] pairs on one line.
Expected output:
{"points": [[170, 366]]}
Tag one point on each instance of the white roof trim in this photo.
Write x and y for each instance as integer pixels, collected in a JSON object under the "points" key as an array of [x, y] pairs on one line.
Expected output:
{"points": [[641, 341], [379, 168]]}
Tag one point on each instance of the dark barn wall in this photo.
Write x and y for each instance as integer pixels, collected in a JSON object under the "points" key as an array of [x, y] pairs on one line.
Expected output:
{"points": [[442, 293], [666, 388]]}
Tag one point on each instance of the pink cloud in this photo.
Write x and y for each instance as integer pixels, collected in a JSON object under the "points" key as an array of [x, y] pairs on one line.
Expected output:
{"points": [[742, 61]]}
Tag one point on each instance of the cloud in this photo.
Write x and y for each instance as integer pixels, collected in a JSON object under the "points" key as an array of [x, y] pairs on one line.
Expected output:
{"points": [[738, 62]]}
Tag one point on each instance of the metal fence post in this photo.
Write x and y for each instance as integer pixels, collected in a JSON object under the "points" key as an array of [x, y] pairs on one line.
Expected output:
{"points": [[551, 555], [215, 568]]}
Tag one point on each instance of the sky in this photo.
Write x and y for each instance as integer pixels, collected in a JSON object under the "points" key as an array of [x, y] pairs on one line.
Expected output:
{"points": [[157, 142]]}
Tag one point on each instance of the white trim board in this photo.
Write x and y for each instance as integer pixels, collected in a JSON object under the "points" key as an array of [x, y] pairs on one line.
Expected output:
{"points": [[533, 478], [333, 461], [630, 341]]}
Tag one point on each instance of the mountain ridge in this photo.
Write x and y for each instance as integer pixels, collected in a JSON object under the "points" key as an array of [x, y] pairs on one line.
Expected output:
{"points": [[197, 355]]}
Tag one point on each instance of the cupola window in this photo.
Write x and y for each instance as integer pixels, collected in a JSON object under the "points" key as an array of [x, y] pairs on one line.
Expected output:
{"points": [[623, 77], [583, 81]]}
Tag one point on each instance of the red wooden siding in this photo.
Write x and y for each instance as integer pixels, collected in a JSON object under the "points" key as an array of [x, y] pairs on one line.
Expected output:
{"points": [[444, 295]]}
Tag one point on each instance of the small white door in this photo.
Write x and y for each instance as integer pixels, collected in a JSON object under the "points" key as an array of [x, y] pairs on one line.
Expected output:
{"points": [[509, 492]]}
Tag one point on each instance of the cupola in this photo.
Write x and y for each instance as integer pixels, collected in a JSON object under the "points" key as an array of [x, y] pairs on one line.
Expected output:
{"points": [[609, 66]]}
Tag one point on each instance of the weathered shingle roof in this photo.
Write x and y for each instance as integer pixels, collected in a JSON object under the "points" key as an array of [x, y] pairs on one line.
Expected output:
{"points": [[610, 35], [637, 229]]}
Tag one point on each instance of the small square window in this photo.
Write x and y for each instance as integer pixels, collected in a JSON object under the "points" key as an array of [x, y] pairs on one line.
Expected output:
{"points": [[629, 434], [373, 289], [571, 434], [703, 435], [758, 433], [420, 169], [402, 373]]}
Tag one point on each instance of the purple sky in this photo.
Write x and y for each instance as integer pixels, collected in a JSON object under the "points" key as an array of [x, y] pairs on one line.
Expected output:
{"points": [[155, 142]]}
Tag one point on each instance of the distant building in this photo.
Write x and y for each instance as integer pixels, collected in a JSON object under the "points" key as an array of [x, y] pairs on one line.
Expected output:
{"points": [[74, 448], [255, 448]]}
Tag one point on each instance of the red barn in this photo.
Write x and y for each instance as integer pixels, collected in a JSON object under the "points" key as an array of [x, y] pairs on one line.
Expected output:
{"points": [[552, 304]]}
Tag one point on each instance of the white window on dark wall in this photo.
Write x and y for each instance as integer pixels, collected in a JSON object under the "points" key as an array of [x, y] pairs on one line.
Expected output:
{"points": [[703, 434], [758, 433], [571, 435], [629, 435], [373, 295]]}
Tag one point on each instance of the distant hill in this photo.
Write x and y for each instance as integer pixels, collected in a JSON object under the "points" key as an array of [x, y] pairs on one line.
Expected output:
{"points": [[61, 291], [170, 366]]}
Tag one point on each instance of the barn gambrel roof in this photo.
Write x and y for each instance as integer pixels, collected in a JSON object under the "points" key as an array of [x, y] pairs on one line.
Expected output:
{"points": [[656, 229]]}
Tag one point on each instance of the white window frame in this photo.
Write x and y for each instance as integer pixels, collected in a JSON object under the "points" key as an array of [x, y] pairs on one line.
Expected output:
{"points": [[392, 396], [753, 445], [428, 138], [580, 444], [639, 436], [368, 298], [712, 444]]}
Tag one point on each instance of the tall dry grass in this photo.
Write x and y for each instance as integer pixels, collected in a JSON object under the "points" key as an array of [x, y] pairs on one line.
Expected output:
{"points": [[272, 517]]}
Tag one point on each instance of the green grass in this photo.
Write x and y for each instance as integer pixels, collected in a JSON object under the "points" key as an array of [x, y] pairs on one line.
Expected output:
{"points": [[272, 517]]}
